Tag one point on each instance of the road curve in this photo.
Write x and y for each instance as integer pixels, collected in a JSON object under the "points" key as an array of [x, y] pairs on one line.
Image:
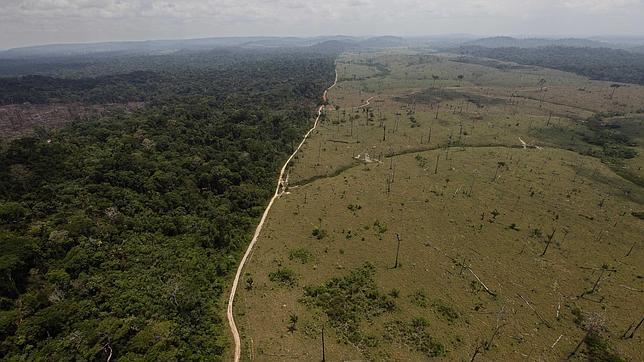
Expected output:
{"points": [[366, 104], [278, 192]]}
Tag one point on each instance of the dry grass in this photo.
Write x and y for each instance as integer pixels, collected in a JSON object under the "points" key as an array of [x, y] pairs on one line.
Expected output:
{"points": [[482, 217]]}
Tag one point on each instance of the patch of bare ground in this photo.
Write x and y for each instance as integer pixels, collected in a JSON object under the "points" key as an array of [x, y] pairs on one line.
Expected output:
{"points": [[21, 119]]}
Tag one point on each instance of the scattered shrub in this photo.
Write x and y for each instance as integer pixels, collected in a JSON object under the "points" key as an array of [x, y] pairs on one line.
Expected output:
{"points": [[347, 301], [446, 311], [301, 255], [414, 335], [319, 233], [422, 161], [283, 276], [379, 228], [598, 349], [419, 298]]}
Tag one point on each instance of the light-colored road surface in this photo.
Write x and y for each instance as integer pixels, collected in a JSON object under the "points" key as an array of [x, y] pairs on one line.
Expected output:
{"points": [[279, 190], [366, 104]]}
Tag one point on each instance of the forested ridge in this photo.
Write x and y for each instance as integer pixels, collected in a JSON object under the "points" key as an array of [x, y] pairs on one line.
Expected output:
{"points": [[118, 235], [596, 63], [227, 76]]}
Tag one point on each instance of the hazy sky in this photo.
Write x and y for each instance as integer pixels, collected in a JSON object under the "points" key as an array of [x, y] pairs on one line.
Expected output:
{"points": [[28, 22]]}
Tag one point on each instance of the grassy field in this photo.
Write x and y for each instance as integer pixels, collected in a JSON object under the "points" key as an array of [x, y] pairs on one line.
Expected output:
{"points": [[518, 219]]}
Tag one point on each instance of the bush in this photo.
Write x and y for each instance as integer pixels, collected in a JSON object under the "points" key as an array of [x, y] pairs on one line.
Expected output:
{"points": [[447, 311], [349, 300], [419, 298], [319, 233], [284, 276], [422, 161], [302, 255], [599, 349], [414, 335]]}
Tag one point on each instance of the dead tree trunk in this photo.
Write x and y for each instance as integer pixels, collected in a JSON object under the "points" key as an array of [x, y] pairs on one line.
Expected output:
{"points": [[578, 345], [626, 335], [397, 251], [549, 241]]}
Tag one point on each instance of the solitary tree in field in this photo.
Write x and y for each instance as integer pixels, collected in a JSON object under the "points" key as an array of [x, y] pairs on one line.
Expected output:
{"points": [[460, 78], [293, 321], [435, 78], [612, 93]]}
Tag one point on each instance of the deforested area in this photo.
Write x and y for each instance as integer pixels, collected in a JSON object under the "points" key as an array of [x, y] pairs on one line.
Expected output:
{"points": [[347, 180], [456, 211]]}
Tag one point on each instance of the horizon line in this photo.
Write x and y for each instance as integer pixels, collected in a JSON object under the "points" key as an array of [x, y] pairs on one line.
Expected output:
{"points": [[523, 36]]}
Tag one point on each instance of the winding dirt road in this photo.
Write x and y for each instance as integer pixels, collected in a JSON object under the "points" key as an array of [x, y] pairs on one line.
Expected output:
{"points": [[278, 192], [366, 104]]}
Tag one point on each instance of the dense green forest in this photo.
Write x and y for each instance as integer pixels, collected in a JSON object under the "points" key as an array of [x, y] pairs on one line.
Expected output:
{"points": [[596, 63], [228, 74], [177, 62], [119, 235]]}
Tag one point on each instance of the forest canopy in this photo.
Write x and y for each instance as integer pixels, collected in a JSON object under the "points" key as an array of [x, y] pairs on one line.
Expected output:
{"points": [[596, 63], [119, 234]]}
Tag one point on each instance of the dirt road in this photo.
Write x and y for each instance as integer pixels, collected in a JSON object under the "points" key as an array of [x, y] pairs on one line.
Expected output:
{"points": [[278, 192], [366, 104]]}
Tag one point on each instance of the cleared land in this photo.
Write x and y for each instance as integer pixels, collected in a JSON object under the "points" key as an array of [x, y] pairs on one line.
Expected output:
{"points": [[23, 119], [519, 218]]}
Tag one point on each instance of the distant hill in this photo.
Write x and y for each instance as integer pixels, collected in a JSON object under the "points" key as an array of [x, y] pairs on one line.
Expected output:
{"points": [[277, 42], [335, 45], [156, 47], [129, 47], [298, 42], [596, 63], [326, 43], [632, 40], [440, 41], [383, 42], [344, 44], [510, 42], [638, 49]]}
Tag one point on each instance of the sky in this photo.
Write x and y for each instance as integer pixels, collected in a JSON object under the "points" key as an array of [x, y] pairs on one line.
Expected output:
{"points": [[32, 22]]}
